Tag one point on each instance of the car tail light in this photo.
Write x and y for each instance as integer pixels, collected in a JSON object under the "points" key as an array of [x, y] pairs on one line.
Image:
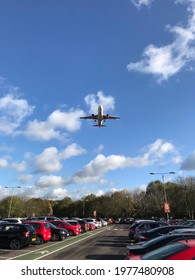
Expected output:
{"points": [[26, 233], [132, 230]]}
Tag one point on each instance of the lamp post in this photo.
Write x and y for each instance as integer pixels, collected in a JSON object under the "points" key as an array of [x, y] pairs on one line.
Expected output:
{"points": [[11, 199], [163, 181]]}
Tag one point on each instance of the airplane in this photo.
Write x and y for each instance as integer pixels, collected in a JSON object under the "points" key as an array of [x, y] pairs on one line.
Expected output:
{"points": [[100, 117]]}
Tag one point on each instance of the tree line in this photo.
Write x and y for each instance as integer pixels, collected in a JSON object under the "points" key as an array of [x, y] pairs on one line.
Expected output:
{"points": [[136, 203]]}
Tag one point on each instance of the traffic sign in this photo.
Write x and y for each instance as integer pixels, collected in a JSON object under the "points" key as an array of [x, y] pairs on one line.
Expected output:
{"points": [[167, 207]]}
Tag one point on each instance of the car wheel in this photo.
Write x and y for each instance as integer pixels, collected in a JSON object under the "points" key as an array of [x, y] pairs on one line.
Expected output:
{"points": [[82, 230], [15, 244], [55, 237], [71, 232], [39, 240]]}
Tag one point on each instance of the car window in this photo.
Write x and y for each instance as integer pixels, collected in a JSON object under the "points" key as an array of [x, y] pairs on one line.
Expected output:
{"points": [[36, 226], [1, 227], [11, 228], [29, 227], [46, 225]]}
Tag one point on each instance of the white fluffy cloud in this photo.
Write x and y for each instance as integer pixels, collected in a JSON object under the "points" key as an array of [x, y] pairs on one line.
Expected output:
{"points": [[93, 100], [13, 111], [49, 181], [101, 164], [50, 159], [165, 61], [55, 126]]}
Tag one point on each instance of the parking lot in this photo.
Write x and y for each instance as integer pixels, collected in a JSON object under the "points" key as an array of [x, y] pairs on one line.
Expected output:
{"points": [[104, 243]]}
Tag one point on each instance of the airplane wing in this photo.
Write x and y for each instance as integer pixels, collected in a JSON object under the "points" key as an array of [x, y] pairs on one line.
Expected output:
{"points": [[92, 117], [106, 117]]}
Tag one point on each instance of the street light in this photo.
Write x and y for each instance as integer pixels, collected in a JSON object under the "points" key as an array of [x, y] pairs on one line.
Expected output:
{"points": [[163, 181], [10, 204]]}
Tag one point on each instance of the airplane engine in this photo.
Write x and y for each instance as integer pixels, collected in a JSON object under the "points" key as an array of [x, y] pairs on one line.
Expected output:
{"points": [[107, 116]]}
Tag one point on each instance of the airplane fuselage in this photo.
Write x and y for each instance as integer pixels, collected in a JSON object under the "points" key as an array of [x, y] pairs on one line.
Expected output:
{"points": [[100, 115]]}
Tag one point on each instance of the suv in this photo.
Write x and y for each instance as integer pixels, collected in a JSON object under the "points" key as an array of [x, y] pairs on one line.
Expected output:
{"points": [[142, 225], [16, 236], [42, 229]]}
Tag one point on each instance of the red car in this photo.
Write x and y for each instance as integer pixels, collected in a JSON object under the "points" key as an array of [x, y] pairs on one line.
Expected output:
{"points": [[42, 229], [72, 229], [181, 250]]}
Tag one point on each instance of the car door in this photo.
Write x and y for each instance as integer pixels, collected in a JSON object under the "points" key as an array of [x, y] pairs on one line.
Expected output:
{"points": [[2, 235], [6, 232]]}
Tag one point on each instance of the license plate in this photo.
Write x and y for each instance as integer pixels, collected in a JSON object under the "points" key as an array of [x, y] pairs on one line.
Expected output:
{"points": [[34, 239]]}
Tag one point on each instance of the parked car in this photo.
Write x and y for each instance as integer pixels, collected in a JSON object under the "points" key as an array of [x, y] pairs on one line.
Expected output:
{"points": [[180, 250], [152, 233], [157, 242], [84, 225], [58, 234], [74, 223], [16, 236], [102, 221], [91, 226], [94, 221], [72, 229], [47, 218], [176, 222], [143, 225], [42, 229], [189, 223], [13, 220]]}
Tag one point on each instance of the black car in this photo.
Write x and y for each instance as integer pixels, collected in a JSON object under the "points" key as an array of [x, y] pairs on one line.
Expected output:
{"points": [[84, 225], [142, 225], [58, 234], [155, 232], [155, 243], [16, 236]]}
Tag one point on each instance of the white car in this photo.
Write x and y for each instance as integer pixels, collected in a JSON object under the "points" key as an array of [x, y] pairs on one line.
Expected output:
{"points": [[94, 221], [13, 220]]}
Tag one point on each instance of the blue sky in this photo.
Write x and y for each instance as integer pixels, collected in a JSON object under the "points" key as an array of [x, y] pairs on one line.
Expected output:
{"points": [[60, 59]]}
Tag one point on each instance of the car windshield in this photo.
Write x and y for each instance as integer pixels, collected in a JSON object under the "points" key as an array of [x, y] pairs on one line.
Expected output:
{"points": [[159, 228], [74, 223], [52, 225], [153, 241], [165, 252]]}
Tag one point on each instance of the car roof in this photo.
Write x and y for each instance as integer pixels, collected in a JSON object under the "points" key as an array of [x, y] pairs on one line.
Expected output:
{"points": [[35, 222]]}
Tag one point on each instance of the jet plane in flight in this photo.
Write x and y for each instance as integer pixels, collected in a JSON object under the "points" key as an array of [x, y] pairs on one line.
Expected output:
{"points": [[100, 117]]}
